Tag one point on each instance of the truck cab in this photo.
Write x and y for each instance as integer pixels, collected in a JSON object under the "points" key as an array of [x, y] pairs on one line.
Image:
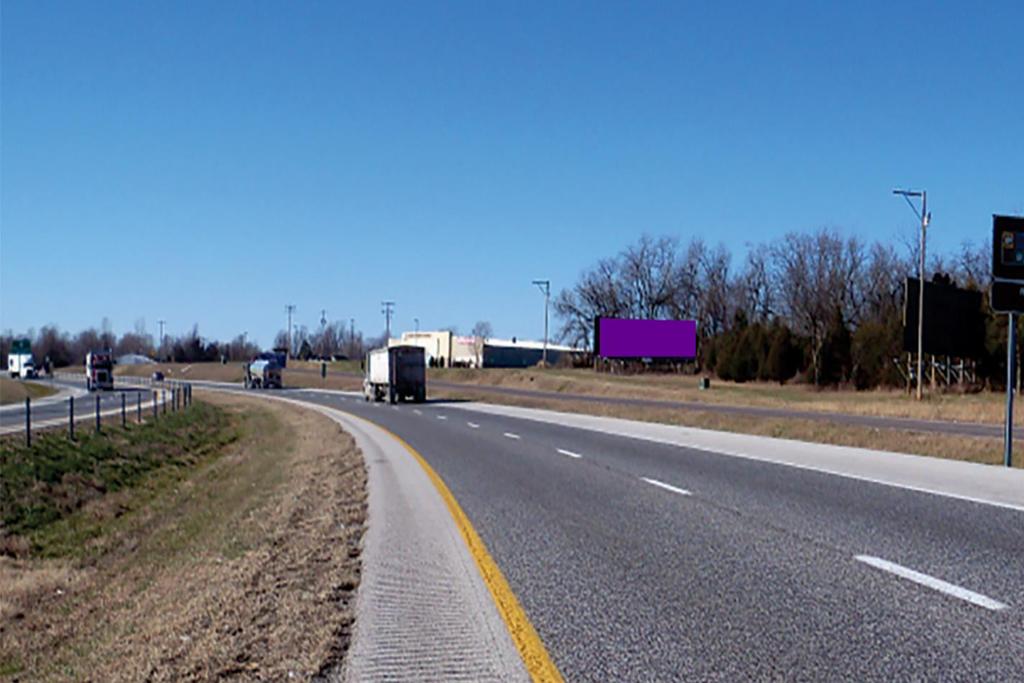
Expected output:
{"points": [[99, 370]]}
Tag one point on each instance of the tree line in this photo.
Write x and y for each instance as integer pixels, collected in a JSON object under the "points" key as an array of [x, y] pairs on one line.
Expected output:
{"points": [[64, 349], [817, 307]]}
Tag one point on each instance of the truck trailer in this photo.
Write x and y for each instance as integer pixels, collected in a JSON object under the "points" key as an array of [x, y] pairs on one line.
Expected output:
{"points": [[397, 373], [262, 373], [20, 364], [99, 370]]}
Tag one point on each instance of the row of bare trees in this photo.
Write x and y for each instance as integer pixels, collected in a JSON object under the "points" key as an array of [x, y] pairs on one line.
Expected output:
{"points": [[814, 285], [63, 349], [331, 340]]}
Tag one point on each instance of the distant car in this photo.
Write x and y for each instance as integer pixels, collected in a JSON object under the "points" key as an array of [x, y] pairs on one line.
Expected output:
{"points": [[158, 376]]}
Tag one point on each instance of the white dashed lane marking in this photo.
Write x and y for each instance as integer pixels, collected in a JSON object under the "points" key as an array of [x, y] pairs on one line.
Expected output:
{"points": [[442, 417], [569, 453], [473, 425], [667, 487], [510, 435], [931, 582]]}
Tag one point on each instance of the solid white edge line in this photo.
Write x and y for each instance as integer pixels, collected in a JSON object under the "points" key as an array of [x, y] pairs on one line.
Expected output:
{"points": [[473, 425], [667, 487], [932, 582], [569, 453], [760, 458], [510, 435]]}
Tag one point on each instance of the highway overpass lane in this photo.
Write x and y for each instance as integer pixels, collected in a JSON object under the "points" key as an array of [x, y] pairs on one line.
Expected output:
{"points": [[753, 575]]}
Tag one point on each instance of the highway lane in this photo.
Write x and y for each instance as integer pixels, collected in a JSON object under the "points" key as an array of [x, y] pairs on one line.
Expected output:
{"points": [[976, 429], [13, 417], [643, 561]]}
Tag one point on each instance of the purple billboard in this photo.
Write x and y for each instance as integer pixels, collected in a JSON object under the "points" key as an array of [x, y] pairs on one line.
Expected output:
{"points": [[627, 338]]}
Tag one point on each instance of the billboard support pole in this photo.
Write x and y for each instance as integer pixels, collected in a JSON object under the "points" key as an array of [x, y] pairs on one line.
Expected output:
{"points": [[1011, 354]]}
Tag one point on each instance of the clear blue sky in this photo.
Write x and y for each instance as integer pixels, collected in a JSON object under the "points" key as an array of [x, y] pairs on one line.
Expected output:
{"points": [[210, 162]]}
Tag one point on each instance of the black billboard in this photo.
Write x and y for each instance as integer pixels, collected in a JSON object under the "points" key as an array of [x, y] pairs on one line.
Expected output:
{"points": [[954, 323]]}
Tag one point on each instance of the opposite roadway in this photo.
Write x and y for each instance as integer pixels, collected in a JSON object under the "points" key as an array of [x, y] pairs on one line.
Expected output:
{"points": [[639, 561]]}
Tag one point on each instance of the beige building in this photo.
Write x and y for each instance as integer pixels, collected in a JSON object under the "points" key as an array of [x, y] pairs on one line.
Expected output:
{"points": [[441, 347], [444, 349]]}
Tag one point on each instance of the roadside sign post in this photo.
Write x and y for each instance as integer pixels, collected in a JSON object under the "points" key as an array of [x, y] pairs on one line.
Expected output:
{"points": [[124, 418], [1011, 347], [97, 413], [28, 421], [1007, 296], [71, 418], [138, 406]]}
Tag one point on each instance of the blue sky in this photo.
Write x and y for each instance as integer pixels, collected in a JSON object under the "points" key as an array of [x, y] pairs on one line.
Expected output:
{"points": [[210, 162]]}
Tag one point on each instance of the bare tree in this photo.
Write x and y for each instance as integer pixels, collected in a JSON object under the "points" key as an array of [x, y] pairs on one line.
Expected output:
{"points": [[481, 332], [817, 276]]}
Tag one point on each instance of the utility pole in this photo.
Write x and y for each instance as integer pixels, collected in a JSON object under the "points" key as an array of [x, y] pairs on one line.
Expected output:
{"points": [[160, 351], [389, 308], [290, 308], [416, 322], [351, 337], [245, 335], [545, 287], [925, 219]]}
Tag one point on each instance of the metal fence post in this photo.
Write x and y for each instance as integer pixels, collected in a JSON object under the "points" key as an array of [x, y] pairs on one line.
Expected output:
{"points": [[124, 418], [163, 399], [155, 412], [97, 413], [28, 422], [71, 418], [138, 406]]}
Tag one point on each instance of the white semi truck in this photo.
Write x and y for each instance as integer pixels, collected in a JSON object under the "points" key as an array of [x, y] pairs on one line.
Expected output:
{"points": [[99, 370], [19, 361], [396, 373]]}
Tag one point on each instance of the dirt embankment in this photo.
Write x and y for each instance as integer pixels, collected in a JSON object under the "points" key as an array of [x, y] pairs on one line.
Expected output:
{"points": [[243, 567], [15, 391]]}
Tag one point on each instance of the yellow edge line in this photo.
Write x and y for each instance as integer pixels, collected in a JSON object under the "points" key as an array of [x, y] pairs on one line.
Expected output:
{"points": [[531, 649]]}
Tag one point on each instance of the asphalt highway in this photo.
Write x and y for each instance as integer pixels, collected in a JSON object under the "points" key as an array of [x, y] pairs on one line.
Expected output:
{"points": [[872, 421], [47, 411], [642, 561]]}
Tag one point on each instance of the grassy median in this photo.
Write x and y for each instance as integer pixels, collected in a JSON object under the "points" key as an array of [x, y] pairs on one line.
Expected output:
{"points": [[16, 391], [222, 541]]}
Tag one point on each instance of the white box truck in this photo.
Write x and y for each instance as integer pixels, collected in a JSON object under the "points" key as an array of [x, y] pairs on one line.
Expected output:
{"points": [[19, 361], [396, 373]]}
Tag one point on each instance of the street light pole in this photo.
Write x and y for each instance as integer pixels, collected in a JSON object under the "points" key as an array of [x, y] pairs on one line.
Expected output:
{"points": [[290, 308], [925, 219], [416, 322], [161, 351], [545, 287], [389, 308]]}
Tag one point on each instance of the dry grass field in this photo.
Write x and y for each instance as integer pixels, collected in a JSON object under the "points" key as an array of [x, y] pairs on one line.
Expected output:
{"points": [[243, 564]]}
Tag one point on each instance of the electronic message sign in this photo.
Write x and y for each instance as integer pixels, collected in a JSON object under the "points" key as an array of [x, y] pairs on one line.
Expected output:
{"points": [[634, 338], [1007, 264]]}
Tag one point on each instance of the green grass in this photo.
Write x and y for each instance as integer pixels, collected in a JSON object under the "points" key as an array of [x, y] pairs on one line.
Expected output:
{"points": [[44, 488]]}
